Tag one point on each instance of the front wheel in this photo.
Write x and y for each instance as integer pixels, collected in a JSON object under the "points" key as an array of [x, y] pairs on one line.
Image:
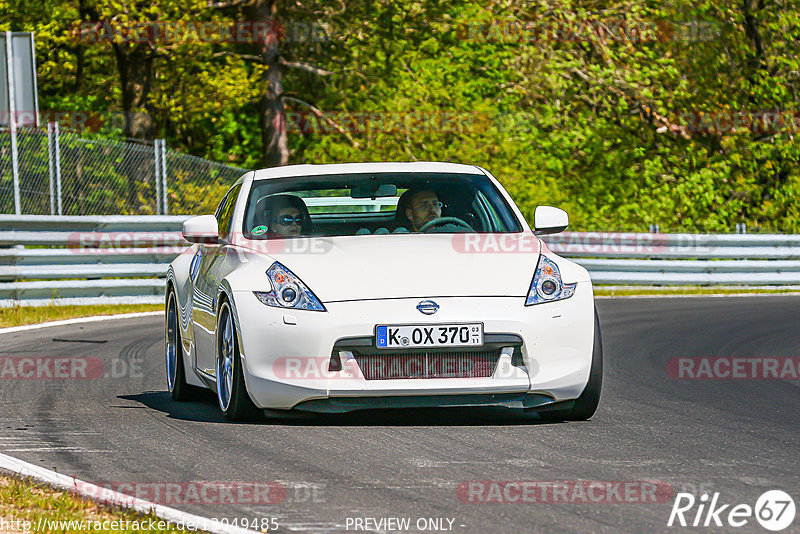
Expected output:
{"points": [[179, 390], [232, 394], [585, 406]]}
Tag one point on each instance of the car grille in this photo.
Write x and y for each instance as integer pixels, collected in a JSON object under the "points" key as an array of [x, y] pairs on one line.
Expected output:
{"points": [[422, 364]]}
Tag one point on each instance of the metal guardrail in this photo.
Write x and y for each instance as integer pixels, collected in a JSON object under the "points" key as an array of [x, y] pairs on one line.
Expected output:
{"points": [[125, 258], [683, 259], [86, 259]]}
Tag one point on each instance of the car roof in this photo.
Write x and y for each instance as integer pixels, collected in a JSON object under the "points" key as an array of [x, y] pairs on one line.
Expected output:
{"points": [[353, 168]]}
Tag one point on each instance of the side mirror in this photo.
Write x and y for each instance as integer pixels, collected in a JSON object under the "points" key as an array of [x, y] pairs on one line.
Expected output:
{"points": [[549, 220], [202, 229]]}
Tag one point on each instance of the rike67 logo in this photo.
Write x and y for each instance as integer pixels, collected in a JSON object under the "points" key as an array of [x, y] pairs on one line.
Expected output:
{"points": [[774, 510]]}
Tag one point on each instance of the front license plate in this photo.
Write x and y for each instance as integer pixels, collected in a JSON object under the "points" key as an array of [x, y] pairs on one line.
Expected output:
{"points": [[429, 335]]}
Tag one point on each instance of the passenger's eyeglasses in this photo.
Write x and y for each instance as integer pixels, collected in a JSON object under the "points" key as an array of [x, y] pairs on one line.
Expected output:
{"points": [[286, 220], [430, 204]]}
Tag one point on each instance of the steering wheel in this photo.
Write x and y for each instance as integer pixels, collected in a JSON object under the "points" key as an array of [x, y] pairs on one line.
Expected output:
{"points": [[441, 221]]}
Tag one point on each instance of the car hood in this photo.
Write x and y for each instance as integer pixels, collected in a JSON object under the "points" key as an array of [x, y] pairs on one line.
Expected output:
{"points": [[411, 265]]}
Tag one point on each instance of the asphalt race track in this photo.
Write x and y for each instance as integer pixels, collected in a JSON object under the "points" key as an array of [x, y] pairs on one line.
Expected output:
{"points": [[738, 437]]}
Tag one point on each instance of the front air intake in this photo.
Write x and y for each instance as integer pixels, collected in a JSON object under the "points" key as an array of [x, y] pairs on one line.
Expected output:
{"points": [[421, 365]]}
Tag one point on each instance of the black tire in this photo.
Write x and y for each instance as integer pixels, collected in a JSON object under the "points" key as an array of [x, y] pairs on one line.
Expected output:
{"points": [[178, 389], [585, 406], [232, 395]]}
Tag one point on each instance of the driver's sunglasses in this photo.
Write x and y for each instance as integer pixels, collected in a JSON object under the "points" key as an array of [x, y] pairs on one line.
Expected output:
{"points": [[286, 220], [430, 204]]}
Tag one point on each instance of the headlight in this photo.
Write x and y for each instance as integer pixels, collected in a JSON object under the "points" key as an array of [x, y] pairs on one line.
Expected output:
{"points": [[547, 285], [288, 291]]}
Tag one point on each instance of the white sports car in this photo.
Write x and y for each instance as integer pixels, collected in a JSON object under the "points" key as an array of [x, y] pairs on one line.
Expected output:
{"points": [[332, 288]]}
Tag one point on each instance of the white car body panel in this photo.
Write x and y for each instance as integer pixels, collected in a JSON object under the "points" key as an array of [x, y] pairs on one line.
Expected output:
{"points": [[395, 266], [364, 281], [556, 359]]}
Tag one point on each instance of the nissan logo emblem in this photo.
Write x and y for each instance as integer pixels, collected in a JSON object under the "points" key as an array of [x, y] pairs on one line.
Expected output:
{"points": [[428, 307]]}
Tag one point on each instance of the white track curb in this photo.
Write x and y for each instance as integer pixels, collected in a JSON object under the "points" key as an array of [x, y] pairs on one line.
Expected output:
{"points": [[110, 497], [91, 491], [79, 320]]}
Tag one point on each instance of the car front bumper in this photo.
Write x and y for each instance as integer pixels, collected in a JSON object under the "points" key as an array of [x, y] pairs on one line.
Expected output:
{"points": [[285, 353]]}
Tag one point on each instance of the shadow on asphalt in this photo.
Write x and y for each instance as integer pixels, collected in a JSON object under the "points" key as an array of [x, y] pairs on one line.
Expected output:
{"points": [[205, 410]]}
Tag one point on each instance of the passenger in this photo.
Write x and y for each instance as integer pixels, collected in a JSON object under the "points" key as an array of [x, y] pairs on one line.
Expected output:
{"points": [[282, 216]]}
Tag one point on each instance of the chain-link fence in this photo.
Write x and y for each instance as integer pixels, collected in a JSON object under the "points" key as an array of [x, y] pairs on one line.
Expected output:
{"points": [[196, 185], [64, 173]]}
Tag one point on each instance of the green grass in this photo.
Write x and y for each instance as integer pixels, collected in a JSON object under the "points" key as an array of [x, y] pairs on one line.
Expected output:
{"points": [[21, 315], [599, 291], [27, 500]]}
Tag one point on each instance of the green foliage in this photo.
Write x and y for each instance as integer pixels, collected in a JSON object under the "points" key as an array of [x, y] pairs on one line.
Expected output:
{"points": [[626, 114]]}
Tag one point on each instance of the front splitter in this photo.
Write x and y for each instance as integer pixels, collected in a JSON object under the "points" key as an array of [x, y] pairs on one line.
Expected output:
{"points": [[500, 400]]}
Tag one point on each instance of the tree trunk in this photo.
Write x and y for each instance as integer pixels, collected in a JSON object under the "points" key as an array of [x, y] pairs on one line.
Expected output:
{"points": [[135, 66], [272, 114]]}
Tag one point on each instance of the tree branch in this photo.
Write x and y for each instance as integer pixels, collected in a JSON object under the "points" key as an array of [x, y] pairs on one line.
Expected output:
{"points": [[667, 125], [305, 67], [249, 57], [752, 31], [233, 3], [320, 115], [323, 12], [645, 109]]}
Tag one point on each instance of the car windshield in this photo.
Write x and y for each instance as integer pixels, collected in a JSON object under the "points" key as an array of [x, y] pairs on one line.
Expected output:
{"points": [[376, 203]]}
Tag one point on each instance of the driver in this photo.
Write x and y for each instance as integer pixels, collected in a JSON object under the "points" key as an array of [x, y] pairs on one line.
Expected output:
{"points": [[422, 206]]}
